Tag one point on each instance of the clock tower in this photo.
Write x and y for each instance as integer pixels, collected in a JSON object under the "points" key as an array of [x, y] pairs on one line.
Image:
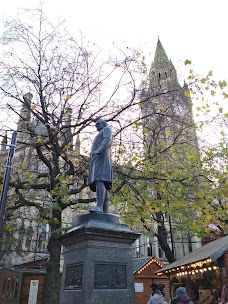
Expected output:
{"points": [[166, 105], [170, 149]]}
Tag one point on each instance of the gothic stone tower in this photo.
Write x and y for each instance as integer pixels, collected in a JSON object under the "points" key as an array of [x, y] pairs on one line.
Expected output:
{"points": [[166, 106], [169, 133]]}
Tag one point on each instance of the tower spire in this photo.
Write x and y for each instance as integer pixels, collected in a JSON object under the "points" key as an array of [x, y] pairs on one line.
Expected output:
{"points": [[66, 133], [4, 142], [162, 73], [24, 118], [78, 144], [161, 60]]}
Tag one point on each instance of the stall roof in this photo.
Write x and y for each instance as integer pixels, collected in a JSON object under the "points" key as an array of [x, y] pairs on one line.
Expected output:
{"points": [[138, 263], [212, 250]]}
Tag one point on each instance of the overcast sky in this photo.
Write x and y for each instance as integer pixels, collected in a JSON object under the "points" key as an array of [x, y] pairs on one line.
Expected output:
{"points": [[195, 29]]}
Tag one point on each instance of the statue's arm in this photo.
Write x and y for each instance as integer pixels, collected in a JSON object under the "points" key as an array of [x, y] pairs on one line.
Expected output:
{"points": [[106, 142]]}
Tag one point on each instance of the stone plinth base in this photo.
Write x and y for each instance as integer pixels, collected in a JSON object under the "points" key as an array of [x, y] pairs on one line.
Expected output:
{"points": [[98, 261]]}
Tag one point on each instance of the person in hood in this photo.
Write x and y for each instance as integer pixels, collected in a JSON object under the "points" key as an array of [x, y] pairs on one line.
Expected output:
{"points": [[157, 294], [182, 297]]}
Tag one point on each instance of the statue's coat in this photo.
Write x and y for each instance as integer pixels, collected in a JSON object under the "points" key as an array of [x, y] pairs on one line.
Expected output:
{"points": [[101, 164]]}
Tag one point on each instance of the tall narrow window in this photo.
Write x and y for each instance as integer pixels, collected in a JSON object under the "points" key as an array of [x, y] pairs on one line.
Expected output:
{"points": [[138, 248]]}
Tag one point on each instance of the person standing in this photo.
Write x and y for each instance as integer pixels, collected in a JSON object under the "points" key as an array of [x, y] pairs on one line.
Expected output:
{"points": [[157, 296], [182, 297], [100, 171]]}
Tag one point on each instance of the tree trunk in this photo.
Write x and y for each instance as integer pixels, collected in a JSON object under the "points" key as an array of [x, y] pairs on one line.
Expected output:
{"points": [[52, 284], [162, 238]]}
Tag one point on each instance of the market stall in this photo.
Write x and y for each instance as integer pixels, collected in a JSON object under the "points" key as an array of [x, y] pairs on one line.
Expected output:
{"points": [[204, 272]]}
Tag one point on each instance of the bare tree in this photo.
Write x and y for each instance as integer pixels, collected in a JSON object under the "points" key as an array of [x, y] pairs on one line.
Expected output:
{"points": [[55, 88]]}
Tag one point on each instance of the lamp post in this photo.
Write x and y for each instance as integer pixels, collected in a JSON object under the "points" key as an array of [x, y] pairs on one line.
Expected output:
{"points": [[7, 177]]}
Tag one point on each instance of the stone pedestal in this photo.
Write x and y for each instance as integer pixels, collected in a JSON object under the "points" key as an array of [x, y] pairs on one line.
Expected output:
{"points": [[98, 261]]}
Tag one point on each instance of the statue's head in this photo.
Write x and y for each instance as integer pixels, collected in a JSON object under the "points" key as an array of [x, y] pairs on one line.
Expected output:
{"points": [[100, 124], [28, 97]]}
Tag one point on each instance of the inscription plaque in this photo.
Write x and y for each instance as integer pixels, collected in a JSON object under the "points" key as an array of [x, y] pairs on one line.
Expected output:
{"points": [[110, 276], [73, 278]]}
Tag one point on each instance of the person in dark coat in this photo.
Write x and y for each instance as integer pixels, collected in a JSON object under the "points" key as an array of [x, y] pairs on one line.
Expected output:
{"points": [[100, 171], [182, 297]]}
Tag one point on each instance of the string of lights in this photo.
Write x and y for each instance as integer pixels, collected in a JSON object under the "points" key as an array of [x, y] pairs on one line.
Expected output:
{"points": [[194, 268]]}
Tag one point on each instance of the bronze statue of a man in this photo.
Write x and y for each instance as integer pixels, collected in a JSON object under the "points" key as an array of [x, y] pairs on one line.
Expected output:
{"points": [[100, 171]]}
